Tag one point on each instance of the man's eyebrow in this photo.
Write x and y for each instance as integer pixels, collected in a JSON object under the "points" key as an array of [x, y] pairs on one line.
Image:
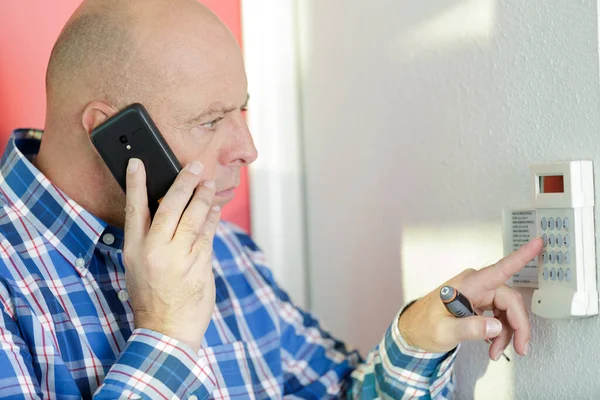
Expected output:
{"points": [[216, 108]]}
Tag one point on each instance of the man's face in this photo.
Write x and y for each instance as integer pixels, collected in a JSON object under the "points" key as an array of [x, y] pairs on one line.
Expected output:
{"points": [[201, 114]]}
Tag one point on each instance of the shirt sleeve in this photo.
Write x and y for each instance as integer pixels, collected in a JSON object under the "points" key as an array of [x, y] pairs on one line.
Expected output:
{"points": [[318, 366], [152, 366], [155, 366], [17, 376]]}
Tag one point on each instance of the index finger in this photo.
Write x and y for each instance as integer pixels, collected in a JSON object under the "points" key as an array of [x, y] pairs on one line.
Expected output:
{"points": [[137, 215], [496, 275]]}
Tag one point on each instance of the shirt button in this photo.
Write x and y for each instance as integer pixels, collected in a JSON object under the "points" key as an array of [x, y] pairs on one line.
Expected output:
{"points": [[193, 397], [80, 262], [123, 295], [108, 239]]}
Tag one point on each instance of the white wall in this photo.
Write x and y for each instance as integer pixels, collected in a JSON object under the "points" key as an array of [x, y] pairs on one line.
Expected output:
{"points": [[276, 190], [421, 119]]}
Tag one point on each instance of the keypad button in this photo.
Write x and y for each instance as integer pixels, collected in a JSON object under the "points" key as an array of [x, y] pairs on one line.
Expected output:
{"points": [[567, 241], [558, 223], [552, 257], [559, 240], [550, 223], [545, 274], [545, 239], [560, 274], [568, 275], [566, 223], [544, 223], [567, 258], [553, 273], [559, 257], [545, 257], [551, 240]]}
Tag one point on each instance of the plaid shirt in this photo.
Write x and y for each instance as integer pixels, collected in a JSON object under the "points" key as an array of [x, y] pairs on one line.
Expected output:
{"points": [[66, 329]]}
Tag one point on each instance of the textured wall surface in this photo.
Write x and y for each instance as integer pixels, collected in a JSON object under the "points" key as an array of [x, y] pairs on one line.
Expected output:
{"points": [[421, 120]]}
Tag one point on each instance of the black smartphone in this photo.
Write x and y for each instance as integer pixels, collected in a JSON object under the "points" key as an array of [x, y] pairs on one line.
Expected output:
{"points": [[131, 133]]}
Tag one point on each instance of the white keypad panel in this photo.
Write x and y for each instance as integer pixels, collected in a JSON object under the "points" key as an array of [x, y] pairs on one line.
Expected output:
{"points": [[556, 261]]}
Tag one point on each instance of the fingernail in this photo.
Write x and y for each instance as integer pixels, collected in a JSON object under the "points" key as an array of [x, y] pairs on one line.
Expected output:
{"points": [[493, 327], [195, 167], [132, 165], [527, 349], [216, 208], [209, 184], [497, 356]]}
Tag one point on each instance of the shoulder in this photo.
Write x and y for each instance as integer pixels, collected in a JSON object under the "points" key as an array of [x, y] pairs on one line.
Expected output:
{"points": [[235, 250], [233, 239], [17, 239], [12, 248]]}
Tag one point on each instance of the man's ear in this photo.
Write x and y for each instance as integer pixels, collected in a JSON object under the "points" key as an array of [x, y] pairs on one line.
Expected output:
{"points": [[94, 114]]}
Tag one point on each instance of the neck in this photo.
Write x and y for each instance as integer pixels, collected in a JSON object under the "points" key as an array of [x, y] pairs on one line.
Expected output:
{"points": [[75, 168]]}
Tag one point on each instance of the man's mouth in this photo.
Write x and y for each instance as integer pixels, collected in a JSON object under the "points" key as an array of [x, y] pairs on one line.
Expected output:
{"points": [[226, 193]]}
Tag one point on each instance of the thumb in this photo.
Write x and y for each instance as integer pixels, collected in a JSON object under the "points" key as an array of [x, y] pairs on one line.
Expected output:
{"points": [[475, 328]]}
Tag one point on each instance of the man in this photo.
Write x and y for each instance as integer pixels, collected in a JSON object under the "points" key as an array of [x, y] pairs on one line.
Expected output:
{"points": [[98, 300]]}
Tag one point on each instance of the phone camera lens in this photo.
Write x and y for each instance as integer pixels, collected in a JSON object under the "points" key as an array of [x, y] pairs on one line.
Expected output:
{"points": [[123, 139]]}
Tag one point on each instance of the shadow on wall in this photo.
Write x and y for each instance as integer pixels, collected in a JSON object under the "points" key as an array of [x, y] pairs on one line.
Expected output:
{"points": [[434, 111], [410, 148], [472, 354]]}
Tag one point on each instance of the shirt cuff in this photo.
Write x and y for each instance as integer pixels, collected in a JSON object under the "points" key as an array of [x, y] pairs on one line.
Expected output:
{"points": [[425, 370], [157, 366]]}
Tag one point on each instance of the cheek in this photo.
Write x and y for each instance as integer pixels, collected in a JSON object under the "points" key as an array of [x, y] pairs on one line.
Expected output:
{"points": [[197, 150]]}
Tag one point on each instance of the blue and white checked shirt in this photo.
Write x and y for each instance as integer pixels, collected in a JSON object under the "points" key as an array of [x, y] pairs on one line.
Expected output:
{"points": [[66, 329]]}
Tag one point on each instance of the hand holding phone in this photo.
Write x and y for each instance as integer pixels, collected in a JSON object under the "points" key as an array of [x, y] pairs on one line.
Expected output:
{"points": [[169, 227], [169, 261]]}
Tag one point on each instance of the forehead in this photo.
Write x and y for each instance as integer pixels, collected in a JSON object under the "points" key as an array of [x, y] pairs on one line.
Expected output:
{"points": [[199, 70]]}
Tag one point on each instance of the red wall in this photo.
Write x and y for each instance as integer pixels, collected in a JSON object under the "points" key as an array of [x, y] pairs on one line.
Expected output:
{"points": [[28, 30]]}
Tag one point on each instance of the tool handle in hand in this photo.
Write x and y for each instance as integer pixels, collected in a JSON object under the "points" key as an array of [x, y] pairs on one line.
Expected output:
{"points": [[456, 303]]}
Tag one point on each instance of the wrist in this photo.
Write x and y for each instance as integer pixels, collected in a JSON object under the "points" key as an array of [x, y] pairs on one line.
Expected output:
{"points": [[192, 339], [403, 327], [406, 327]]}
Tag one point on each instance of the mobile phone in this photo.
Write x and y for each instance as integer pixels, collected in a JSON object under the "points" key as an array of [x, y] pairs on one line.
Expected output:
{"points": [[131, 133]]}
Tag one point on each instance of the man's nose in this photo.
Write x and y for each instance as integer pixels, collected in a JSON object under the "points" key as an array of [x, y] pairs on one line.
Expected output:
{"points": [[239, 148]]}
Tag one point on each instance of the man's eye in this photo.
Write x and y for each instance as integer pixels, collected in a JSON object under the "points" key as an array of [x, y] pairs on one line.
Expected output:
{"points": [[212, 123]]}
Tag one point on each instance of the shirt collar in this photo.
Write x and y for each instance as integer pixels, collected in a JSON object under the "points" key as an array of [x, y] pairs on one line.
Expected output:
{"points": [[73, 231]]}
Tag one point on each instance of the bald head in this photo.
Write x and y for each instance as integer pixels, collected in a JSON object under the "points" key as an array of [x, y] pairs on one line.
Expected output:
{"points": [[115, 50], [173, 56]]}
